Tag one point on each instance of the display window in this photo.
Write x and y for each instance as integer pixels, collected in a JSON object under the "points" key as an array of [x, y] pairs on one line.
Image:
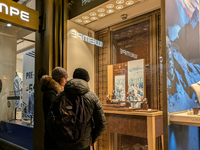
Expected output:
{"points": [[17, 74], [129, 74]]}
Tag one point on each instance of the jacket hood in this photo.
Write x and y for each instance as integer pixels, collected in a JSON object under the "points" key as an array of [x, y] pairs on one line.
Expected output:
{"points": [[49, 83], [76, 86]]}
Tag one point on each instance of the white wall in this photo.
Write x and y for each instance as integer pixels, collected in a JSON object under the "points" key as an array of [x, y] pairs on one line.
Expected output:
{"points": [[80, 53]]}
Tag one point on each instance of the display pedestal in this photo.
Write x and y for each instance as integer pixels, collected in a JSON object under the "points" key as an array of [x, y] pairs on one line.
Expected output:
{"points": [[142, 124], [182, 118]]}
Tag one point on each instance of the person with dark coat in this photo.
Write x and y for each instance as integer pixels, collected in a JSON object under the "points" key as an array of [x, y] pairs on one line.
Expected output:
{"points": [[51, 86], [95, 116]]}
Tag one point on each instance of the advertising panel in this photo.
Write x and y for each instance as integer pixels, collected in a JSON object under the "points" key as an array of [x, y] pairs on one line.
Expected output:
{"points": [[28, 84]]}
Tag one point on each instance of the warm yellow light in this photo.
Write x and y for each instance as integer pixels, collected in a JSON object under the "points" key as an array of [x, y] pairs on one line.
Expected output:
{"points": [[101, 10], [129, 2], [93, 14], [110, 6], [120, 1], [101, 15], [85, 17], [86, 21], [119, 7], [110, 11], [93, 18], [78, 20]]}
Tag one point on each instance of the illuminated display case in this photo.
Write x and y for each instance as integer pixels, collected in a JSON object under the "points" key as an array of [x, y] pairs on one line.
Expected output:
{"points": [[127, 83]]}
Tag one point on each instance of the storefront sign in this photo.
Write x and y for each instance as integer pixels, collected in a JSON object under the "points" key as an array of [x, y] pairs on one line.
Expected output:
{"points": [[86, 38], [19, 15], [81, 6], [127, 53]]}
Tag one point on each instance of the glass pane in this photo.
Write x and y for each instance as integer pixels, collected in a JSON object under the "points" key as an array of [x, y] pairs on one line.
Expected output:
{"points": [[131, 61], [183, 73], [17, 64]]}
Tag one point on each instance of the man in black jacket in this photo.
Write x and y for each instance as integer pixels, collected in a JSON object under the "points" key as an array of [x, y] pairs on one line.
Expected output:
{"points": [[79, 86]]}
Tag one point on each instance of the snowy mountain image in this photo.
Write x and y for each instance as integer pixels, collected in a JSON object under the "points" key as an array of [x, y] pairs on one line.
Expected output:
{"points": [[183, 56], [136, 79], [120, 87]]}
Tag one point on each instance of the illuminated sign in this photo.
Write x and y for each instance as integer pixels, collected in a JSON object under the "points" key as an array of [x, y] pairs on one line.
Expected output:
{"points": [[19, 15], [86, 38], [14, 11], [127, 53]]}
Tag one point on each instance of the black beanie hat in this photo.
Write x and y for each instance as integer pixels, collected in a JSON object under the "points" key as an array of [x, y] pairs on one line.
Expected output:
{"points": [[81, 73]]}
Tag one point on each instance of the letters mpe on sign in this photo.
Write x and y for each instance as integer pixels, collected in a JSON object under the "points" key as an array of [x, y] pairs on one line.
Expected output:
{"points": [[14, 11], [18, 14], [86, 38]]}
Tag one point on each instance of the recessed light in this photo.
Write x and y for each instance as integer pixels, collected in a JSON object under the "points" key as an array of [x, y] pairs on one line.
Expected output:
{"points": [[93, 18], [101, 15], [129, 2], [93, 14], [110, 6], [119, 7], [120, 1], [85, 17], [101, 10], [78, 20], [9, 25], [145, 28], [110, 11], [130, 30], [86, 21]]}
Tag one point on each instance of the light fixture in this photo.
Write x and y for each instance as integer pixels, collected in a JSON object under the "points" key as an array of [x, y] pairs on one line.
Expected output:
{"points": [[86, 21], [110, 6], [78, 20], [130, 30], [85, 17], [9, 25], [129, 2], [101, 15], [93, 18], [101, 10], [145, 28], [119, 7], [110, 11], [120, 1], [93, 14]]}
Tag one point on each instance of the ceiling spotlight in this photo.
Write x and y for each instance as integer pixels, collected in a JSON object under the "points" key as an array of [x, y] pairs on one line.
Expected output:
{"points": [[86, 21], [101, 15], [9, 25], [120, 1], [85, 17], [93, 18], [93, 14], [119, 7], [78, 20], [110, 11], [101, 10], [110, 6], [129, 2]]}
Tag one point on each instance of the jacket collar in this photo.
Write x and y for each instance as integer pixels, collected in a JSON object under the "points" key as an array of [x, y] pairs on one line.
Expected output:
{"points": [[50, 83], [76, 86]]}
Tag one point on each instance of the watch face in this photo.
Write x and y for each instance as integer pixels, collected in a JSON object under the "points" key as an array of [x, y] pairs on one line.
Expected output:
{"points": [[0, 85]]}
